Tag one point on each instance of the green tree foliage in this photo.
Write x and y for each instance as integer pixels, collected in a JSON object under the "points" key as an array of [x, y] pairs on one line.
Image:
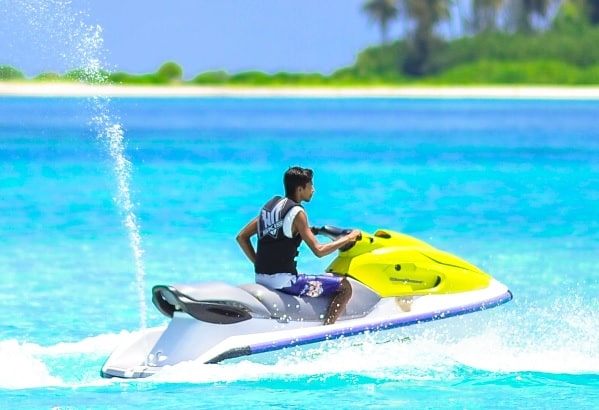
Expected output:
{"points": [[285, 78], [50, 76], [87, 76], [211, 77], [10, 73], [539, 72], [423, 54], [571, 17], [250, 77], [143, 79], [378, 62], [563, 52], [170, 72], [574, 49], [583, 11]]}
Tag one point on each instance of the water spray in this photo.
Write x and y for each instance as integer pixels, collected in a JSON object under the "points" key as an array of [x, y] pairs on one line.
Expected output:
{"points": [[81, 45]]}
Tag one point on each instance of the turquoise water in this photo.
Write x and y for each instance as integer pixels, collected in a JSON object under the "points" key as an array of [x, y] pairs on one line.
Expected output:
{"points": [[510, 185]]}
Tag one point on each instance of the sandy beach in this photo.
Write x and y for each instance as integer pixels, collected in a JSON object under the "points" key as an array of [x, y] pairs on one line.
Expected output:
{"points": [[82, 90]]}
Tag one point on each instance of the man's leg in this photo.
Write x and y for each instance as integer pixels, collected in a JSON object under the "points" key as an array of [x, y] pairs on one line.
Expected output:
{"points": [[339, 302]]}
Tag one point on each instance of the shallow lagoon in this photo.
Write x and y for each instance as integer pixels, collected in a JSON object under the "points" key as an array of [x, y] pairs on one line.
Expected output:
{"points": [[510, 185]]}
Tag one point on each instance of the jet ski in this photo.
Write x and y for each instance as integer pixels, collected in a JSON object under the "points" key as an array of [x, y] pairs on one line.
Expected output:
{"points": [[397, 280]]}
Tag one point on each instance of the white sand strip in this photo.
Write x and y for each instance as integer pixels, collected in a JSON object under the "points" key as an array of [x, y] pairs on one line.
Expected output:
{"points": [[82, 90]]}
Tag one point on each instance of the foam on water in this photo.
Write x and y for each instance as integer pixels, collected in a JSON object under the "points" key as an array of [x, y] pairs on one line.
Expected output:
{"points": [[21, 369], [445, 350], [28, 365], [448, 350]]}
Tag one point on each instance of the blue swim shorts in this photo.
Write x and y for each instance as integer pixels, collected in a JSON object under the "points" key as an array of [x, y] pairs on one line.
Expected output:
{"points": [[314, 285]]}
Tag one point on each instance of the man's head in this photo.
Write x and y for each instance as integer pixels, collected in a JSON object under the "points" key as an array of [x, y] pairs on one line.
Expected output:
{"points": [[298, 183]]}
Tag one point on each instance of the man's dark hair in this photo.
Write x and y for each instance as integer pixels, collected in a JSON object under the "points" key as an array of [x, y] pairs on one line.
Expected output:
{"points": [[296, 177]]}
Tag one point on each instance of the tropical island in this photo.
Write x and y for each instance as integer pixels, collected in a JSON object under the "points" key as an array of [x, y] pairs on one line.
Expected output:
{"points": [[496, 42]]}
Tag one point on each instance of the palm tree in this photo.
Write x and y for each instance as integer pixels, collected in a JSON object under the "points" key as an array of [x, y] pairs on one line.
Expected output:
{"points": [[587, 10], [381, 12], [422, 42], [485, 14], [426, 13], [593, 7], [524, 10]]}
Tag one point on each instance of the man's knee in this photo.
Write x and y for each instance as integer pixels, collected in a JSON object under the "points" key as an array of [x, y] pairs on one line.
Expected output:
{"points": [[345, 288]]}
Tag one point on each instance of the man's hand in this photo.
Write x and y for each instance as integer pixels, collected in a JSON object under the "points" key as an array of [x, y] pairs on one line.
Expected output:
{"points": [[354, 235]]}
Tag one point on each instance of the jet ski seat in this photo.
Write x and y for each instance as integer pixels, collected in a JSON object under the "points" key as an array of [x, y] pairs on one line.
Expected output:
{"points": [[219, 302], [288, 307]]}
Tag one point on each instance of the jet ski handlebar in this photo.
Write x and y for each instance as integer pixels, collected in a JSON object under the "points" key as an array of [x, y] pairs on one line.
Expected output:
{"points": [[333, 233]]}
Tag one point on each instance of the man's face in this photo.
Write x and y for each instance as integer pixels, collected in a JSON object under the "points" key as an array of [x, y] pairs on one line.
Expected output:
{"points": [[307, 191]]}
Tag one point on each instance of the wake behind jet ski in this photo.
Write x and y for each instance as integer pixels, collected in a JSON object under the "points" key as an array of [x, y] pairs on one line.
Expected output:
{"points": [[397, 280]]}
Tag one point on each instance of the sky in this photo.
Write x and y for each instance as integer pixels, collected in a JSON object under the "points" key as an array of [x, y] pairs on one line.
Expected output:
{"points": [[137, 36]]}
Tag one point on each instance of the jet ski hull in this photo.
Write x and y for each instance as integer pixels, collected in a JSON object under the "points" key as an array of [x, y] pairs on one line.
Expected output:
{"points": [[188, 339]]}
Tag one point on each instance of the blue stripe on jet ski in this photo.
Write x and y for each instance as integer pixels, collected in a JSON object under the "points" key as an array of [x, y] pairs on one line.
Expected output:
{"points": [[352, 331]]}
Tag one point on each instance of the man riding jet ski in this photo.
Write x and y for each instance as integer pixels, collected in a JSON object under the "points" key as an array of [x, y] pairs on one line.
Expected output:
{"points": [[281, 227], [397, 280], [377, 282]]}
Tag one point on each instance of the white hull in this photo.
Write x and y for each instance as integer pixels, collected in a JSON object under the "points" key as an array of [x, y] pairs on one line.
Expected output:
{"points": [[189, 339]]}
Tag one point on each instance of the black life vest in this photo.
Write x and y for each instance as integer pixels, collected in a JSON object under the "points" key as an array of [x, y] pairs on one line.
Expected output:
{"points": [[276, 252]]}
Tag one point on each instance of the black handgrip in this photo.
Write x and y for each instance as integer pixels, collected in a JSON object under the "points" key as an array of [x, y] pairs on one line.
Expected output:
{"points": [[329, 231], [333, 233], [350, 245], [347, 246]]}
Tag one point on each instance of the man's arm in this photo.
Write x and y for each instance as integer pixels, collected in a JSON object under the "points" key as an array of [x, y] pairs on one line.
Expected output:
{"points": [[243, 239], [301, 225]]}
